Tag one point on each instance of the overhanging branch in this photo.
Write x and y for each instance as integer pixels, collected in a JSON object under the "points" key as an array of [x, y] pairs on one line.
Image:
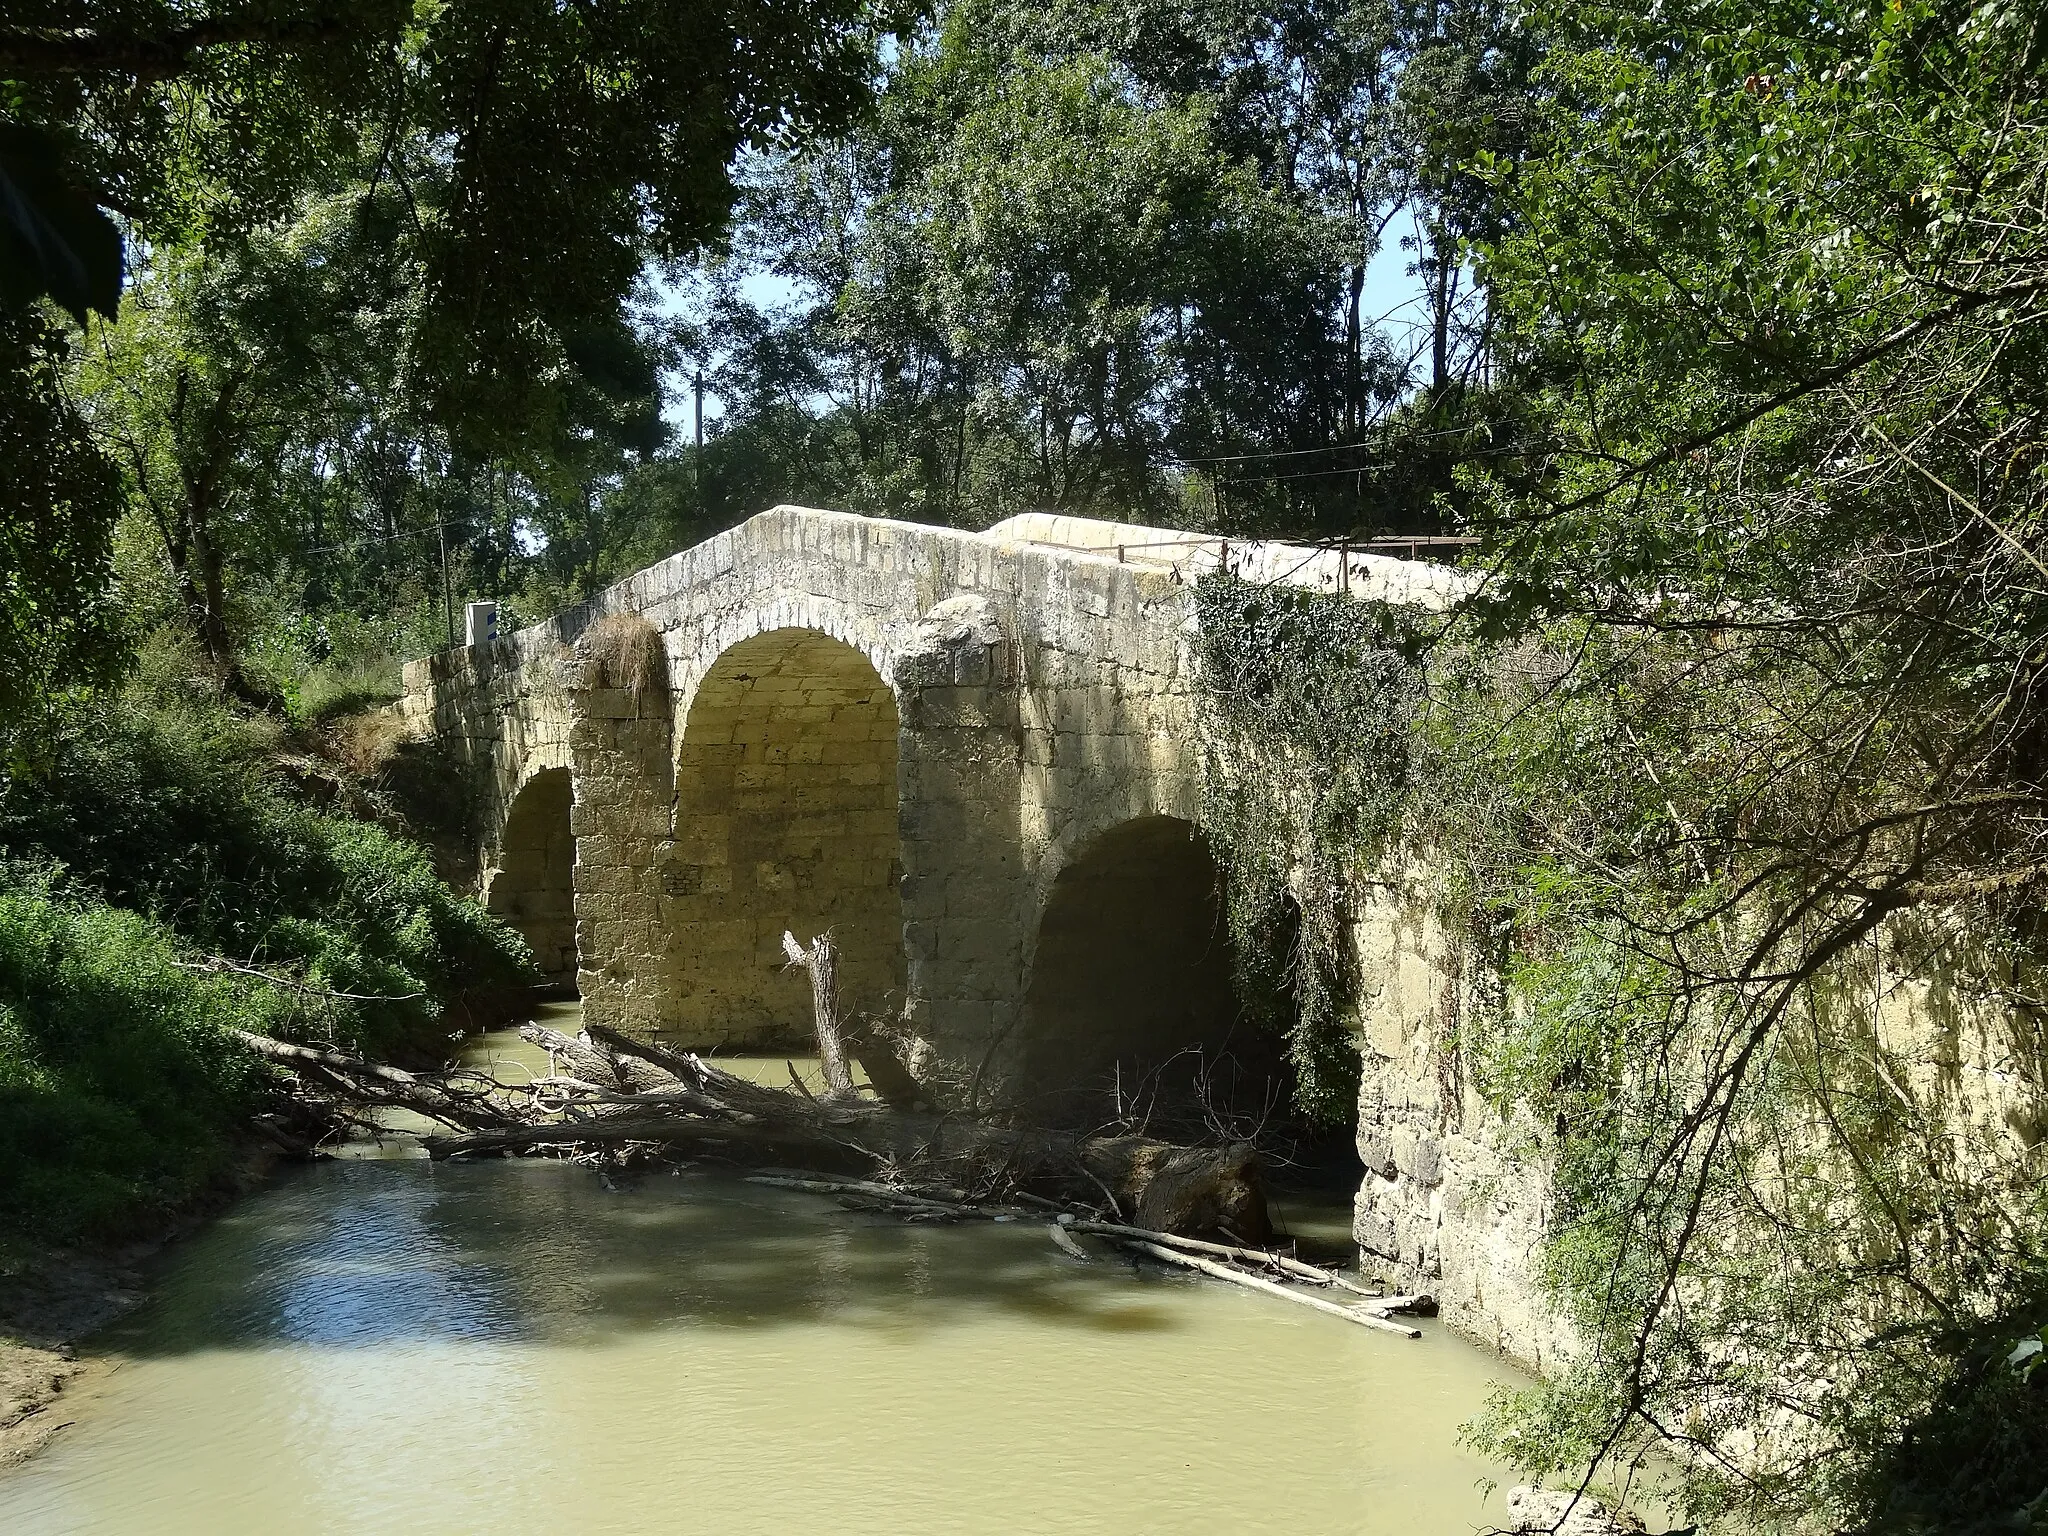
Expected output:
{"points": [[158, 55]]}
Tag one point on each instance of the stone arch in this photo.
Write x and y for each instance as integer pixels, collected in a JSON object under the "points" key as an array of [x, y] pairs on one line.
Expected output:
{"points": [[829, 617], [532, 886], [1130, 986], [786, 818]]}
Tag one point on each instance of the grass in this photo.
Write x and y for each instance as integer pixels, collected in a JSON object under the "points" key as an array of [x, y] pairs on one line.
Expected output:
{"points": [[147, 831], [347, 685], [120, 1091]]}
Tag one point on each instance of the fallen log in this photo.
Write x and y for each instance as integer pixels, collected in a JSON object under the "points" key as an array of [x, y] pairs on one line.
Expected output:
{"points": [[871, 1190], [465, 1099], [914, 1206], [1280, 1263], [1266, 1287], [1067, 1245], [662, 1130], [608, 1090], [1165, 1187], [1168, 1188]]}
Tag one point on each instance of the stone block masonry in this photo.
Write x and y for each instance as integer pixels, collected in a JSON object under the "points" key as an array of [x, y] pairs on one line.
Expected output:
{"points": [[973, 757], [786, 818]]}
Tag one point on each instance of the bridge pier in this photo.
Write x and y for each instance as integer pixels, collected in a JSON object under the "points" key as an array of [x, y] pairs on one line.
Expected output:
{"points": [[624, 775]]}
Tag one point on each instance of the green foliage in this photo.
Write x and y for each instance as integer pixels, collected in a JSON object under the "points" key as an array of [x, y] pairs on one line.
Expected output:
{"points": [[165, 806], [1774, 1231], [1758, 742], [386, 259], [541, 152], [57, 625], [1780, 1250], [1112, 258], [1971, 1461], [1307, 705], [120, 1094], [322, 668]]}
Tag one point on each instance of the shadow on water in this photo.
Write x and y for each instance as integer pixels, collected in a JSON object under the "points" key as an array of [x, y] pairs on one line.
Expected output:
{"points": [[368, 1253]]}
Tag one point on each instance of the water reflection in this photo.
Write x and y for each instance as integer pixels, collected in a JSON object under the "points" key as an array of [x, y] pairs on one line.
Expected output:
{"points": [[375, 1253], [507, 1347]]}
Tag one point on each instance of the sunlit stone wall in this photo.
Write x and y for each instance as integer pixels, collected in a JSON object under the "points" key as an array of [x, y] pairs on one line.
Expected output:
{"points": [[908, 734], [785, 818], [1453, 1199]]}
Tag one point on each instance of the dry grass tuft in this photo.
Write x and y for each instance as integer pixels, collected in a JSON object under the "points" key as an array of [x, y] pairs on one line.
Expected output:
{"points": [[622, 650], [365, 742]]}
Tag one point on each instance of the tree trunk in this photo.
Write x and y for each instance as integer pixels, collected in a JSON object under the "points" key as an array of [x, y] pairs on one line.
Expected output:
{"points": [[821, 960]]}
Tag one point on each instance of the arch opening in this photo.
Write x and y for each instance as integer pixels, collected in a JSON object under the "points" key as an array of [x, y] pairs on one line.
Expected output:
{"points": [[1131, 1012], [786, 818], [533, 886]]}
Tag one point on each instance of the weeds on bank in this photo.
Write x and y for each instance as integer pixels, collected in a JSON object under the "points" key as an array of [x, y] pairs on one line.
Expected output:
{"points": [[148, 830]]}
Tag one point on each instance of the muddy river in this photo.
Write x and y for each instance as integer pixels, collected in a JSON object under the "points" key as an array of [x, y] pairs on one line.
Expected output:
{"points": [[381, 1344]]}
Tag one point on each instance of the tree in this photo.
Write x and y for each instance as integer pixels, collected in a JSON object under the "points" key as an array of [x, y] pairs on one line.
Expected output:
{"points": [[58, 627], [539, 153], [1773, 286], [1113, 257]]}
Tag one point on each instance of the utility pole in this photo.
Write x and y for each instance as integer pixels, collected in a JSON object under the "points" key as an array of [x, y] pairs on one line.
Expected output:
{"points": [[447, 584], [697, 464]]}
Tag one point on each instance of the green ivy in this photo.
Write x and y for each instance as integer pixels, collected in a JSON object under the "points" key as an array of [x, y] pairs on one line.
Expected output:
{"points": [[1308, 705]]}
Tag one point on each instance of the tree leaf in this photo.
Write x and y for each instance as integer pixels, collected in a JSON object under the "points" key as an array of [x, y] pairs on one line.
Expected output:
{"points": [[55, 239]]}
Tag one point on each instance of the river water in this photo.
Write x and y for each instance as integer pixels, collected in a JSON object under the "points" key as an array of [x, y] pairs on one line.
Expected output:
{"points": [[383, 1344]]}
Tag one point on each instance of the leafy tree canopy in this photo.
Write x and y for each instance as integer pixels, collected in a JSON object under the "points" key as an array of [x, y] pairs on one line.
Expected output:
{"points": [[508, 167], [1112, 257]]}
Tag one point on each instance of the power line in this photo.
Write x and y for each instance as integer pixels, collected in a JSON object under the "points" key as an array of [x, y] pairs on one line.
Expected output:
{"points": [[377, 538], [1296, 453]]}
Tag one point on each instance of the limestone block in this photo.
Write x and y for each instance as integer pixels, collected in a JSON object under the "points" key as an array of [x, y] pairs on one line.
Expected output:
{"points": [[959, 642], [605, 880], [596, 850], [645, 733], [1375, 1152], [1375, 1234], [608, 704], [1417, 1156]]}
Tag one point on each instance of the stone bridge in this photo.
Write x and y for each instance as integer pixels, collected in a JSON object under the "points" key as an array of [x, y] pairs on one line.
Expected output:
{"points": [[973, 757]]}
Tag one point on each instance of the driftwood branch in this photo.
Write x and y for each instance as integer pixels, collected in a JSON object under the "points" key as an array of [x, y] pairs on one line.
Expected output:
{"points": [[821, 960], [1266, 1287], [214, 964], [919, 1205], [463, 1099], [1280, 1263]]}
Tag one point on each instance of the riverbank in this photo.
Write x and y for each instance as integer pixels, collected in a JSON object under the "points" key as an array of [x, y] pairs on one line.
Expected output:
{"points": [[53, 1298], [49, 1300]]}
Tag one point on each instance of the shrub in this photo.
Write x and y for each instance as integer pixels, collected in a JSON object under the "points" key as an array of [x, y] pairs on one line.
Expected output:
{"points": [[119, 1088], [165, 805]]}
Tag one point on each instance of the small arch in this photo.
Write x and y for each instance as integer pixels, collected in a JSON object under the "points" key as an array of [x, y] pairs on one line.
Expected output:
{"points": [[1131, 993], [786, 818], [533, 885]]}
